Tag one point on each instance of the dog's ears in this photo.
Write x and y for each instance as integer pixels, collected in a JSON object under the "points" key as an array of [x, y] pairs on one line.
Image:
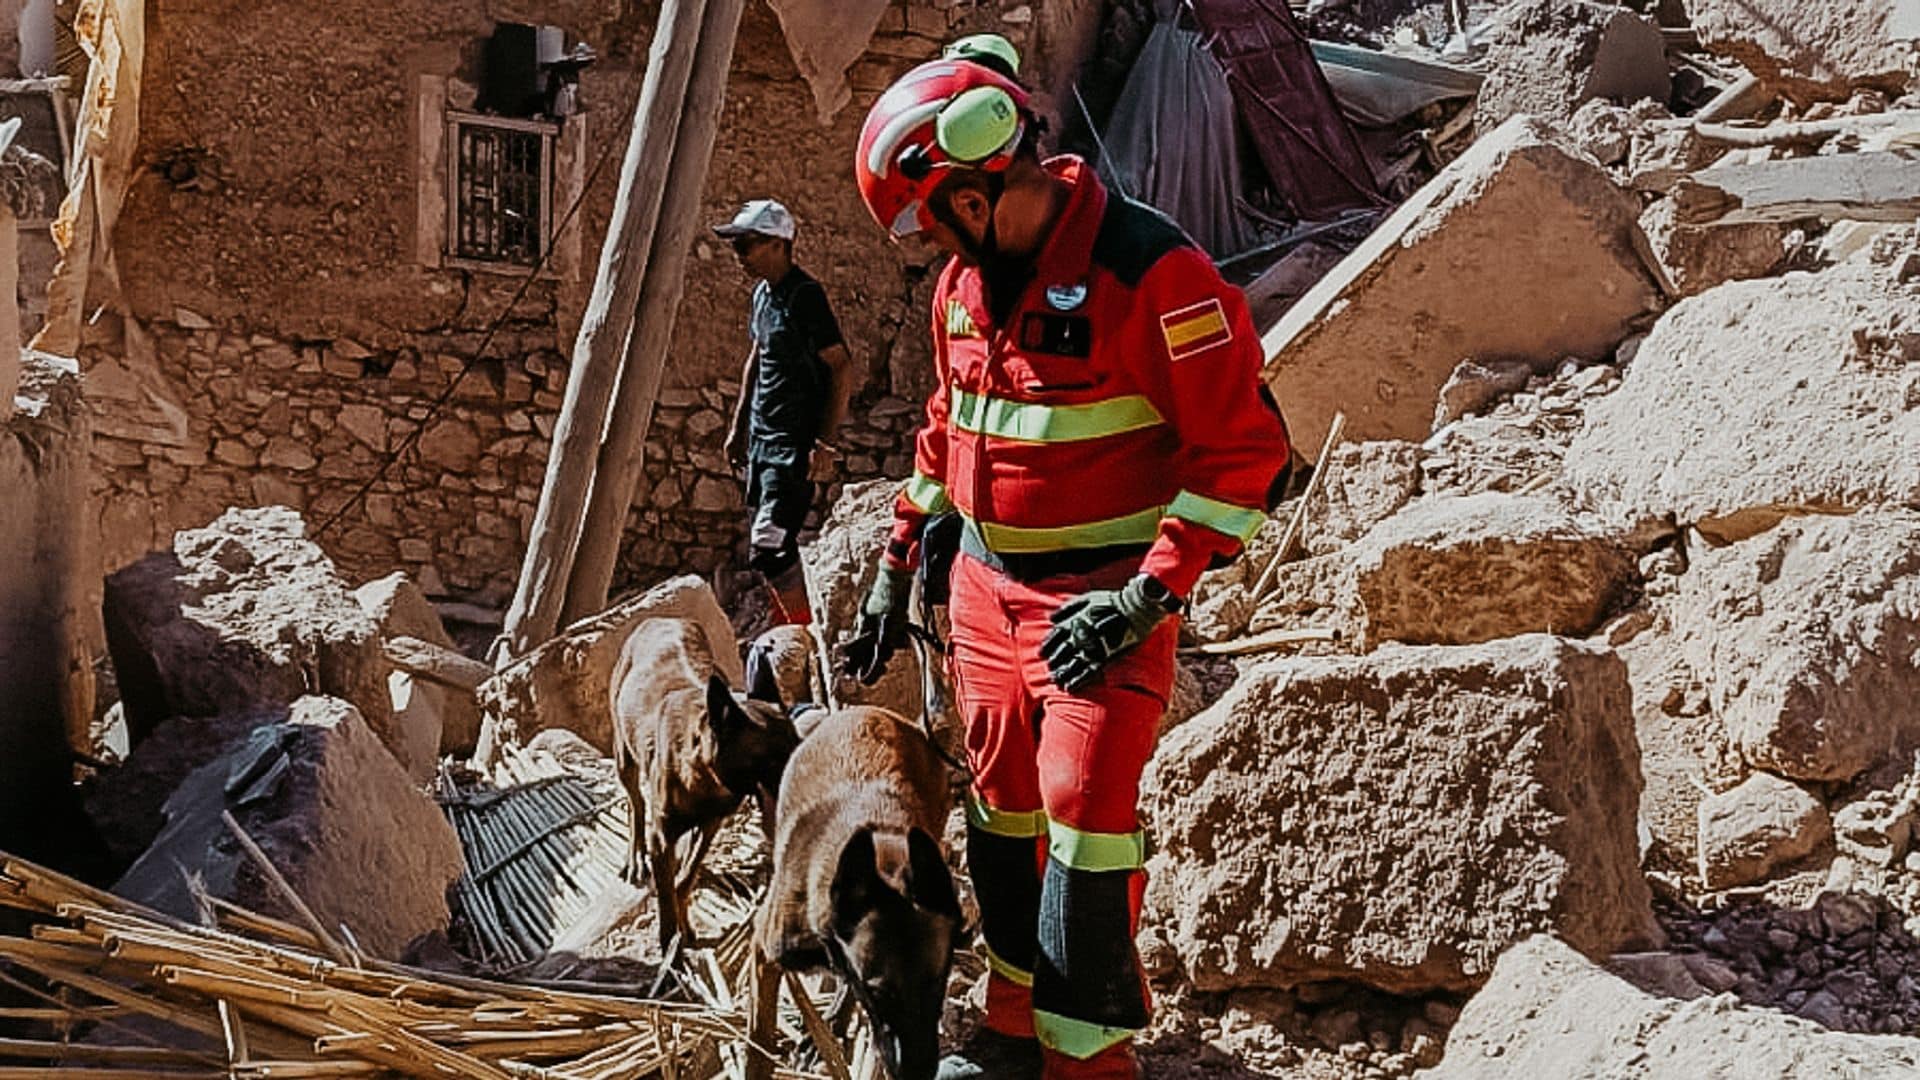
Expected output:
{"points": [[929, 881], [906, 864], [724, 713], [856, 883]]}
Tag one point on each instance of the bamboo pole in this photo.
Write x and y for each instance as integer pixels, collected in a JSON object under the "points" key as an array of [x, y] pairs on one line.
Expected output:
{"points": [[280, 885], [598, 350], [620, 454]]}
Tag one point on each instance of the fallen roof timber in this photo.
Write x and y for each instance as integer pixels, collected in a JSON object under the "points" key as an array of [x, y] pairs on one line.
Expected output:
{"points": [[1883, 186]]}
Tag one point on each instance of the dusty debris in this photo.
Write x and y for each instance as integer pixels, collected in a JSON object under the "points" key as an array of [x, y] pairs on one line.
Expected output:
{"points": [[1812, 50], [1759, 400], [1696, 257], [1548, 1011], [1310, 825], [330, 806], [1448, 264], [245, 612], [1882, 186], [1549, 57], [1765, 823]]}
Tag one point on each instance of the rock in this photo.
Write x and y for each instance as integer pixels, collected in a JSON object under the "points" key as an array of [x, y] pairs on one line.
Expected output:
{"points": [[335, 814], [566, 683], [1365, 484], [125, 803], [1476, 384], [1398, 819], [1811, 634], [244, 613], [1459, 570], [790, 655], [402, 610], [1696, 258], [839, 570], [1756, 828], [1442, 277], [1549, 57], [1696, 433], [1817, 51], [1548, 1011], [49, 596]]}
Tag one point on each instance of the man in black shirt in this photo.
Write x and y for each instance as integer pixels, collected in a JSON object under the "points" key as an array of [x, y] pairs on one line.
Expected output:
{"points": [[793, 395]]}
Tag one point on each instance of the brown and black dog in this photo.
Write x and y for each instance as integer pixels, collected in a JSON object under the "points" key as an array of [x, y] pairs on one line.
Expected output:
{"points": [[688, 751], [860, 885]]}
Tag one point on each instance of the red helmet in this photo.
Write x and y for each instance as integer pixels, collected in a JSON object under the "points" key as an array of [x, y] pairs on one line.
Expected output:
{"points": [[942, 115]]}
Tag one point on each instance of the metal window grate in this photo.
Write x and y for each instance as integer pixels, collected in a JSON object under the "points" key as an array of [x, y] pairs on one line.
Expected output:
{"points": [[502, 189]]}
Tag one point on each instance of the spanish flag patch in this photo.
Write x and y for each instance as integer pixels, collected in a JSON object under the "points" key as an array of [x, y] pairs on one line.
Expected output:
{"points": [[1195, 328], [959, 321]]}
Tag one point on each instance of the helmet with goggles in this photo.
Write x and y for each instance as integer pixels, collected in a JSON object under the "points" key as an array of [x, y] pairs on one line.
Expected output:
{"points": [[943, 115]]}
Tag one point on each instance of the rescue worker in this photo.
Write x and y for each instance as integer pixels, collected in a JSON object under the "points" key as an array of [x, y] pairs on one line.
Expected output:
{"points": [[1101, 428], [793, 395]]}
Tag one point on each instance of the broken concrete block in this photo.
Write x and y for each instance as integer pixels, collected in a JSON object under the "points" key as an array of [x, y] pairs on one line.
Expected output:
{"points": [[1398, 819], [1762, 399], [1548, 1011], [1809, 638], [1459, 570], [567, 683], [1365, 484], [1444, 278], [1696, 258], [1476, 384], [243, 613], [1750, 831], [1883, 186], [49, 594], [434, 718], [1811, 50], [334, 813], [1551, 56]]}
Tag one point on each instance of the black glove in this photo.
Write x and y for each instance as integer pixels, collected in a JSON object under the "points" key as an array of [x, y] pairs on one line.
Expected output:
{"points": [[883, 627], [1091, 630]]}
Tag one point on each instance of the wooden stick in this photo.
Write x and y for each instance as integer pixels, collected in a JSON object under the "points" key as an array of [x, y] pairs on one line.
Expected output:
{"points": [[279, 884], [1272, 639], [1297, 524], [38, 1050]]}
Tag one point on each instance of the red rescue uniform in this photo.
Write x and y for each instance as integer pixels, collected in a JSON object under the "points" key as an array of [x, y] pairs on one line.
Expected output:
{"points": [[1112, 422]]}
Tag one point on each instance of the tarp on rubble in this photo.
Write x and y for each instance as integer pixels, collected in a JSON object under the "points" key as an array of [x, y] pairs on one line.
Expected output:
{"points": [[1378, 89], [1171, 140]]}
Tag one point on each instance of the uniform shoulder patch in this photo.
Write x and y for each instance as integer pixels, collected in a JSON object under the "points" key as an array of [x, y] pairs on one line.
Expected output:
{"points": [[959, 320], [1132, 237], [1194, 329]]}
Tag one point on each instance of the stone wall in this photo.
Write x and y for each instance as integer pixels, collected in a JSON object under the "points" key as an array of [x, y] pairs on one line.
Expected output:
{"points": [[284, 331]]}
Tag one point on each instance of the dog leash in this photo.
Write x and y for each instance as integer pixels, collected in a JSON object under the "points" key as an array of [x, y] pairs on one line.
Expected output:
{"points": [[926, 646]]}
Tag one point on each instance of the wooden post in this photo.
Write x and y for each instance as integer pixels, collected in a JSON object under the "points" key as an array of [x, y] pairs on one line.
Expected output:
{"points": [[535, 613], [624, 448]]}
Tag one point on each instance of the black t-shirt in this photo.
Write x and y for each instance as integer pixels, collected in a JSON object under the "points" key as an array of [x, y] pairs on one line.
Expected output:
{"points": [[791, 324]]}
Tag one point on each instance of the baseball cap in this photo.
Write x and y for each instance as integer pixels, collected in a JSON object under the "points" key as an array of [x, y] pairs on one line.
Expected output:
{"points": [[763, 216]]}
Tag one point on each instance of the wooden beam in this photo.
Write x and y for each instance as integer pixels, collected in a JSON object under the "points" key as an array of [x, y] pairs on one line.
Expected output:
{"points": [[622, 452], [436, 663], [598, 351], [1880, 186]]}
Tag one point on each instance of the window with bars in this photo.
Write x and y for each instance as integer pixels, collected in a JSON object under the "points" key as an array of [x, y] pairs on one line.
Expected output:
{"points": [[500, 204]]}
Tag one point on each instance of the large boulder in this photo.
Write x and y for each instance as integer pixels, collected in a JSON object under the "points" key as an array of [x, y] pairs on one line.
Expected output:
{"points": [[567, 682], [334, 813], [1399, 819], [1550, 1012], [1763, 399], [246, 612], [1459, 570], [1752, 829], [1809, 640], [431, 718], [1548, 57], [1818, 51], [1443, 278]]}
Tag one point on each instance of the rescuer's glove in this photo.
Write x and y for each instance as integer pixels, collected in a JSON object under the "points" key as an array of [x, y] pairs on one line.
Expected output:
{"points": [[882, 628], [1091, 630]]}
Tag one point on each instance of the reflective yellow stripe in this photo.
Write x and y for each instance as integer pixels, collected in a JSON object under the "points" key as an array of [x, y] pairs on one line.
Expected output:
{"points": [[1014, 975], [1016, 824], [1027, 422], [929, 495], [1138, 528], [1079, 850], [1076, 1038], [1238, 522]]}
